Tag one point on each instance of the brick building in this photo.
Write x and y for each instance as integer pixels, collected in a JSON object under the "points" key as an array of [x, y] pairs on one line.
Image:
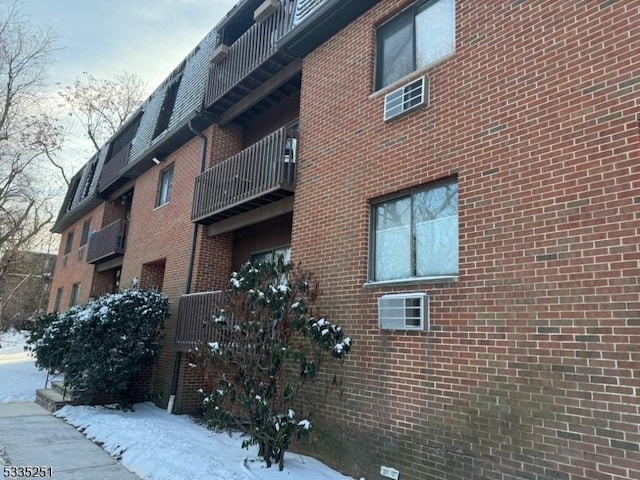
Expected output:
{"points": [[475, 163]]}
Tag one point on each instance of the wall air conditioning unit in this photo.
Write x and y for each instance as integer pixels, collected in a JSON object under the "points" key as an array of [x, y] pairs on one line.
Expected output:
{"points": [[404, 311], [406, 98], [265, 10]]}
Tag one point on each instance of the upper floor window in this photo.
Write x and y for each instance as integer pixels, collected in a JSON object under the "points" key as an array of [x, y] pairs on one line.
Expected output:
{"points": [[420, 36], [89, 179], [164, 188], [69, 243], [164, 116], [86, 227], [415, 235]]}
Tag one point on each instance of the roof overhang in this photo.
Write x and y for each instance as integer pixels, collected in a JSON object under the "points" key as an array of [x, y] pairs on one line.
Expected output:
{"points": [[329, 18], [72, 216], [161, 149]]}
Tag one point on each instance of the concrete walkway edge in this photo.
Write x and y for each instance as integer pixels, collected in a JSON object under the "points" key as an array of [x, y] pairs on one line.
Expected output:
{"points": [[31, 437]]}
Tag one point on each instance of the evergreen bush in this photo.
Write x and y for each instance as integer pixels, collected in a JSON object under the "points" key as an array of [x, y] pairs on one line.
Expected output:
{"points": [[101, 346], [271, 343]]}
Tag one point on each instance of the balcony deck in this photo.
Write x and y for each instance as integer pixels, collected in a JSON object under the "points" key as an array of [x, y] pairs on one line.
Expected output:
{"points": [[252, 60], [195, 312], [261, 174], [108, 243]]}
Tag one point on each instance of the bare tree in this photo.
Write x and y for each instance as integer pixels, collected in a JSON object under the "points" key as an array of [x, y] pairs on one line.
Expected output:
{"points": [[28, 136], [102, 106], [25, 282]]}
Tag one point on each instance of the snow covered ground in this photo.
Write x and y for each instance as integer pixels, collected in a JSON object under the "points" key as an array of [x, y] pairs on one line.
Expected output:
{"points": [[149, 441], [19, 378]]}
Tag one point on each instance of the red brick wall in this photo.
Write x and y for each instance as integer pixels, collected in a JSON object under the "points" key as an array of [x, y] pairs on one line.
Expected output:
{"points": [[152, 275], [213, 254], [113, 211], [163, 234], [104, 282], [74, 269], [530, 370]]}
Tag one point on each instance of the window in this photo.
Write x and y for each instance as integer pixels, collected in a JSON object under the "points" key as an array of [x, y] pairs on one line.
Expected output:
{"points": [[416, 235], [75, 290], [167, 107], [56, 307], [164, 190], [86, 228], [69, 244], [272, 255], [122, 142], [418, 37], [89, 181]]}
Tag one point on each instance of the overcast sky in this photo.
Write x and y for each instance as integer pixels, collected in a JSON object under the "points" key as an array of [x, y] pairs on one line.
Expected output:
{"points": [[102, 37]]}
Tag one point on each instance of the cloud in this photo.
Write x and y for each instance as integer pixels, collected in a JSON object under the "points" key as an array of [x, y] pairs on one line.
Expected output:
{"points": [[147, 37]]}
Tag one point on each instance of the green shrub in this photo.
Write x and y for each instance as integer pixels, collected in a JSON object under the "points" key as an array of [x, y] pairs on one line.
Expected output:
{"points": [[101, 346], [51, 353], [271, 344]]}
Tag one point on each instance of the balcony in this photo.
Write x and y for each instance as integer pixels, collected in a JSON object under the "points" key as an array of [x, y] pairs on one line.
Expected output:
{"points": [[257, 176], [110, 178], [195, 312], [107, 243], [253, 66]]}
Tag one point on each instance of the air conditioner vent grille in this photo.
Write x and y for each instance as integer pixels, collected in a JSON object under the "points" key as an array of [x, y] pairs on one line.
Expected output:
{"points": [[406, 98], [404, 311]]}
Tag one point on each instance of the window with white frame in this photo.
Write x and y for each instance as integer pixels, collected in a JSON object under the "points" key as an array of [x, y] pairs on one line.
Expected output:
{"points": [[419, 36], [164, 187], [415, 235]]}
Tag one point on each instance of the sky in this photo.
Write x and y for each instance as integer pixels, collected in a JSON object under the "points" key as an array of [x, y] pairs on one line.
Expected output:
{"points": [[146, 37], [103, 37]]}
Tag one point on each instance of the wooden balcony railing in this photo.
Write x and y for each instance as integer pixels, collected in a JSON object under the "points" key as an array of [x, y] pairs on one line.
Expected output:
{"points": [[258, 175], [110, 173], [194, 322], [108, 242], [247, 53]]}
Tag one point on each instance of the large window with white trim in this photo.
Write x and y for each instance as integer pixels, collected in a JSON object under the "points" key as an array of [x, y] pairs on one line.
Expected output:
{"points": [[416, 38], [415, 234]]}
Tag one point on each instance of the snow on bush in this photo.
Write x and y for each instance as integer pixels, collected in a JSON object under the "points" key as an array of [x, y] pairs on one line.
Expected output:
{"points": [[102, 345], [270, 344]]}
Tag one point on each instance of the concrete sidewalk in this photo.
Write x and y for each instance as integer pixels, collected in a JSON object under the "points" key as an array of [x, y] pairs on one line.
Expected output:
{"points": [[31, 436]]}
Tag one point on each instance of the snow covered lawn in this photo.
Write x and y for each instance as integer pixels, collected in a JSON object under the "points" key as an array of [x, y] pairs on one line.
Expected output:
{"points": [[150, 442], [19, 377], [156, 445]]}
